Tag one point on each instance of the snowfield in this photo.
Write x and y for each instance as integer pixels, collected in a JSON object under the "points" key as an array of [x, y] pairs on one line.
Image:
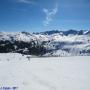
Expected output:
{"points": [[56, 73]]}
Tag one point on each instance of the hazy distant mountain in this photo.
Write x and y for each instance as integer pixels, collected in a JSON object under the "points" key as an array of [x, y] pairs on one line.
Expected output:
{"points": [[66, 33]]}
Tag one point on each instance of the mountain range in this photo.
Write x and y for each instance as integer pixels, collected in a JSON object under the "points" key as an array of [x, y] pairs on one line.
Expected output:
{"points": [[48, 43]]}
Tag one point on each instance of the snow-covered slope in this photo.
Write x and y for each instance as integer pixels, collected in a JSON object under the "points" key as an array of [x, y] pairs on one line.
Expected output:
{"points": [[57, 73], [20, 36], [55, 43]]}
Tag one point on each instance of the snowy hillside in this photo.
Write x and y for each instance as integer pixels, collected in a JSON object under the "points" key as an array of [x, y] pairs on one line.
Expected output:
{"points": [[57, 73], [49, 43]]}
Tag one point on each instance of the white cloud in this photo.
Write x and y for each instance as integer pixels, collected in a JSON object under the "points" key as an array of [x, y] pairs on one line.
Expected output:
{"points": [[26, 1], [49, 15]]}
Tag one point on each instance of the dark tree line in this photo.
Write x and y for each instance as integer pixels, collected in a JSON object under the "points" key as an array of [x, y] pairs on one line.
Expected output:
{"points": [[31, 48]]}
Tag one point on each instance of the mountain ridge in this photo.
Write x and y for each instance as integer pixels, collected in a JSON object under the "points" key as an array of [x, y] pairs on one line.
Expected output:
{"points": [[71, 31], [48, 43]]}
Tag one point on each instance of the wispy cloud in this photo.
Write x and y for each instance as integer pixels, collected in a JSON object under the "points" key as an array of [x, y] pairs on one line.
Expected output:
{"points": [[26, 1], [50, 14]]}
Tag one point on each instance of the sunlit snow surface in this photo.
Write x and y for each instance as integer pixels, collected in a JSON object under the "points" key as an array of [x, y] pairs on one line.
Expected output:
{"points": [[56, 73]]}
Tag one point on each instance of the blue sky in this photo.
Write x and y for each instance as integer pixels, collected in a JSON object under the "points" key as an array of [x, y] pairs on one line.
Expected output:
{"points": [[43, 15]]}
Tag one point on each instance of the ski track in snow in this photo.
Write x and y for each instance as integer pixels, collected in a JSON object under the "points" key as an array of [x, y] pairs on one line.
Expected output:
{"points": [[55, 73]]}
